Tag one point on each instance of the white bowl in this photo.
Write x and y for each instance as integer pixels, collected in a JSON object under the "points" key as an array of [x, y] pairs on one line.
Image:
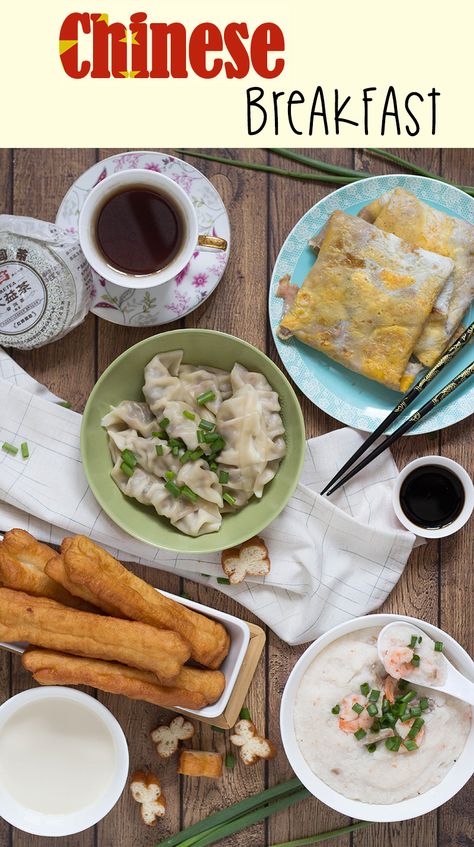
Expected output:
{"points": [[466, 510], [37, 823], [454, 780]]}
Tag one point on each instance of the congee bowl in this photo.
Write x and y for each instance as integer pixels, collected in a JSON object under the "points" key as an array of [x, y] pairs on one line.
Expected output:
{"points": [[452, 782], [123, 380]]}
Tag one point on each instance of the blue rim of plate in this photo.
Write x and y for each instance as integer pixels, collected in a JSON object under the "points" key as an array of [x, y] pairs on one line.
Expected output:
{"points": [[350, 398]]}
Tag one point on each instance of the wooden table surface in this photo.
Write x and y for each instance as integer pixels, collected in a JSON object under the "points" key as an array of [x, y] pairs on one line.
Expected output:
{"points": [[437, 583]]}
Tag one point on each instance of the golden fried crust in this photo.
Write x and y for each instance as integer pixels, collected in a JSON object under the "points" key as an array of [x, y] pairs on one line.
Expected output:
{"points": [[56, 570], [200, 763], [22, 566], [192, 689], [45, 623], [109, 583]]}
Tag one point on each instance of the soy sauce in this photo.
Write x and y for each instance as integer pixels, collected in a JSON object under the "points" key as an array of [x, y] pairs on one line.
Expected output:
{"points": [[139, 231], [432, 496]]}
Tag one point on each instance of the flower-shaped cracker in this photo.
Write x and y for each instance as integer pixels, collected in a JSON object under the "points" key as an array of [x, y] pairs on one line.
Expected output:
{"points": [[252, 746], [167, 738], [146, 790], [250, 559]]}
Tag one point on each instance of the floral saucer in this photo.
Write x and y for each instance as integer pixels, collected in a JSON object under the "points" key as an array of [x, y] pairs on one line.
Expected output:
{"points": [[202, 274]]}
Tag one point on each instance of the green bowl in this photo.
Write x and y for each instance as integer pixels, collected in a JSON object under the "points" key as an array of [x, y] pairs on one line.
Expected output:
{"points": [[123, 380]]}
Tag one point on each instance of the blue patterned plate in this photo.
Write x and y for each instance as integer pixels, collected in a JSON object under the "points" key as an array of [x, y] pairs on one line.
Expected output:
{"points": [[348, 397]]}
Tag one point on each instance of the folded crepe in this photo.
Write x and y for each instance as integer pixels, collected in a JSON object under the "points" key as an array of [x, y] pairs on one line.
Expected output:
{"points": [[403, 214], [366, 299]]}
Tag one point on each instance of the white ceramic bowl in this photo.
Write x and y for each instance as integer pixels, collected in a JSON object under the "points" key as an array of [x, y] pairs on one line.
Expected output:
{"points": [[454, 780], [466, 510], [37, 823]]}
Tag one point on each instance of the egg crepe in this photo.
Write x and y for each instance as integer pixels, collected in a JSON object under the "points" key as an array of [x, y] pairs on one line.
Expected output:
{"points": [[403, 214], [366, 299]]}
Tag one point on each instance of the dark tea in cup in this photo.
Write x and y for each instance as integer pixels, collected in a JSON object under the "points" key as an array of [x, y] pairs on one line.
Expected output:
{"points": [[139, 230]]}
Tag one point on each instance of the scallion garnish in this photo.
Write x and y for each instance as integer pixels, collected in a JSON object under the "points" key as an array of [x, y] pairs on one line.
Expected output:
{"points": [[336, 709], [360, 734], [189, 415], [408, 697], [212, 466], [438, 646], [223, 477], [207, 425], [413, 642], [187, 492], [385, 705], [211, 436], [25, 450], [365, 689], [420, 639], [164, 423], [216, 728], [372, 710], [200, 436], [414, 730], [173, 488], [230, 760], [170, 475], [374, 695], [9, 448], [357, 708], [159, 449], [126, 469], [371, 748], [177, 442], [415, 660], [402, 684], [415, 712], [409, 744], [222, 580], [129, 458], [405, 717], [229, 499], [245, 714], [196, 454], [207, 397], [424, 704], [186, 457], [175, 450], [156, 434], [375, 726]]}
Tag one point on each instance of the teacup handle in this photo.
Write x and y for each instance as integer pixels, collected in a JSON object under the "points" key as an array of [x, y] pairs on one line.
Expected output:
{"points": [[212, 241]]}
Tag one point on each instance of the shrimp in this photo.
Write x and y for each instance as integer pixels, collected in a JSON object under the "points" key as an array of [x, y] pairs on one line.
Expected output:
{"points": [[397, 662], [389, 687], [350, 721]]}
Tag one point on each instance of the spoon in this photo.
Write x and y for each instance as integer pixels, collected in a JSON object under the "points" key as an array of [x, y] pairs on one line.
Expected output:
{"points": [[451, 681]]}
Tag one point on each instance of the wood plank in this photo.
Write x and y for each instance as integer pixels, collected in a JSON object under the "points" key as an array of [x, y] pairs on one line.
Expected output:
{"points": [[288, 201], [456, 577]]}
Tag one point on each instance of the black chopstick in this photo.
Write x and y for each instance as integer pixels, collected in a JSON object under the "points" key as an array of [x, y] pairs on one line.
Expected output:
{"points": [[406, 401], [458, 380]]}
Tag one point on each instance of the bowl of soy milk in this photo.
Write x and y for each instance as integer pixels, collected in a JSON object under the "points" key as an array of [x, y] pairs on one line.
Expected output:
{"points": [[63, 761]]}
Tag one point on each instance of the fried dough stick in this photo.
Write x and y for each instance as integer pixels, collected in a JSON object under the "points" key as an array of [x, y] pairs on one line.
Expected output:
{"points": [[109, 583], [22, 567], [192, 688], [45, 623]]}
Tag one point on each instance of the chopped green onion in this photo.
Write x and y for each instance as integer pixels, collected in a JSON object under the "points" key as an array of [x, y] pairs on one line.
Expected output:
{"points": [[415, 712], [372, 710], [223, 477], [222, 580], [385, 705], [177, 442], [25, 450], [375, 726], [413, 642], [187, 492], [230, 760], [186, 457], [175, 450], [189, 415], [336, 709], [207, 575], [164, 423], [244, 714], [424, 704], [9, 448], [438, 646], [207, 397], [402, 684], [408, 697], [163, 435], [374, 695], [170, 475], [156, 434], [360, 734], [415, 661], [365, 689], [393, 744], [229, 499], [420, 639], [213, 466], [371, 748], [409, 744], [196, 454], [159, 449], [389, 720], [200, 436], [207, 425], [126, 469], [414, 730], [129, 458], [405, 717], [216, 728], [173, 489], [357, 708], [64, 403], [211, 436]]}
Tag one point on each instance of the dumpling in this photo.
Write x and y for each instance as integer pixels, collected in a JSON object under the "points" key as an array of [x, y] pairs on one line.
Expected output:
{"points": [[162, 382], [145, 451], [200, 380], [134, 415], [268, 398], [201, 480]]}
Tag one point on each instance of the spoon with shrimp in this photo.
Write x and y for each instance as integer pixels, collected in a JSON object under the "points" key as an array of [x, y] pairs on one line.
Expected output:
{"points": [[407, 652]]}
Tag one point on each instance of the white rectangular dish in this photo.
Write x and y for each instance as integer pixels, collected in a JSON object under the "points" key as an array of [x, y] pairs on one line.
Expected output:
{"points": [[239, 633]]}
